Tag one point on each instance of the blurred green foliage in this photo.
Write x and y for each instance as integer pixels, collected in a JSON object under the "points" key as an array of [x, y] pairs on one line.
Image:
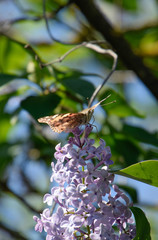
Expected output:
{"points": [[29, 91]]}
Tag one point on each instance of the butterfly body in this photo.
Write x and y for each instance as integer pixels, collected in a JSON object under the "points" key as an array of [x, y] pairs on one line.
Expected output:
{"points": [[66, 122]]}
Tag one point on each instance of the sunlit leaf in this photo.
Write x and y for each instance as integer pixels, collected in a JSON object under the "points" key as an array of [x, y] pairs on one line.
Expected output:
{"points": [[3, 100], [13, 56], [5, 126], [126, 4], [129, 5], [144, 172]]}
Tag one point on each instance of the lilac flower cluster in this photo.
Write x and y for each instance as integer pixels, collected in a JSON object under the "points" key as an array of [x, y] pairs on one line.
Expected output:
{"points": [[87, 203]]}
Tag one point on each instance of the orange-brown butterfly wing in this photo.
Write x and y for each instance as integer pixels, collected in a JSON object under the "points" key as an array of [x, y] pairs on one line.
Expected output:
{"points": [[63, 122], [67, 122]]}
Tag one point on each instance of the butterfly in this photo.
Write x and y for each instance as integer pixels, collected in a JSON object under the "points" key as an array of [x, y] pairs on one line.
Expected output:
{"points": [[67, 121]]}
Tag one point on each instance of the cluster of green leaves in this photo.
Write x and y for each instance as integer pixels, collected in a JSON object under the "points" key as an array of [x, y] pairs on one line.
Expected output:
{"points": [[42, 93], [28, 92]]}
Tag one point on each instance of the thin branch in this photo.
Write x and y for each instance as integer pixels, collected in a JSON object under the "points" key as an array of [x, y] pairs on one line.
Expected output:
{"points": [[88, 45], [114, 56], [94, 48], [83, 44], [47, 23], [60, 59], [6, 25], [92, 45]]}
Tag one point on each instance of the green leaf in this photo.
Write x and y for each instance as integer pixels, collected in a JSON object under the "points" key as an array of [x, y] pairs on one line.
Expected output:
{"points": [[39, 106], [13, 56], [5, 127], [128, 150], [44, 148], [144, 172], [60, 74], [5, 78], [15, 84], [75, 81], [121, 108], [79, 86], [142, 224], [151, 154], [129, 5], [131, 191], [140, 134], [3, 101]]}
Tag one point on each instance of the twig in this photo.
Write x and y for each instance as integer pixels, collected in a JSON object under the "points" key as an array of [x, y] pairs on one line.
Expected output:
{"points": [[60, 59], [83, 44], [114, 56], [97, 49], [92, 45], [47, 23]]}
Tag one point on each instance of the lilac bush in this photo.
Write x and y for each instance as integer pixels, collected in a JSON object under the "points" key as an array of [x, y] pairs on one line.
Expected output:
{"points": [[87, 203]]}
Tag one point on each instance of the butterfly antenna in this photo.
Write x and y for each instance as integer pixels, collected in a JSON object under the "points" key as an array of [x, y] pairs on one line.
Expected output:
{"points": [[104, 99], [93, 107], [108, 103]]}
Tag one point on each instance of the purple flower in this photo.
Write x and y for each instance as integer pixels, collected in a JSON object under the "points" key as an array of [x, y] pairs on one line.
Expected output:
{"points": [[104, 232], [39, 225], [72, 224], [62, 153], [87, 203], [59, 175], [91, 173]]}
